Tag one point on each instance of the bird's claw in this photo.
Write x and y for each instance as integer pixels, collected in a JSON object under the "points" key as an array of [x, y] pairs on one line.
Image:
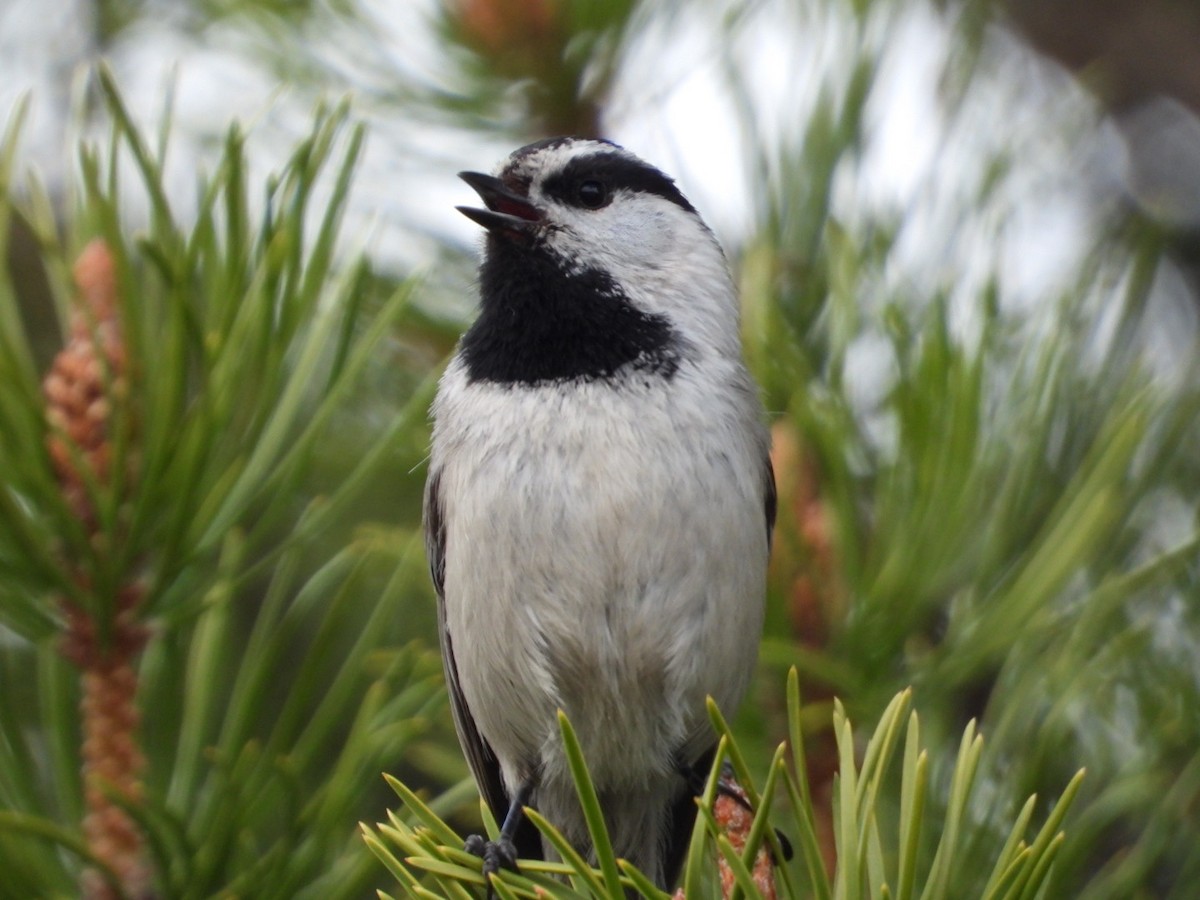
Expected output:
{"points": [[496, 855]]}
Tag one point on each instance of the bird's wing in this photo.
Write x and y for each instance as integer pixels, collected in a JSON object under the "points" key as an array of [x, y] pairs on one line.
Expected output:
{"points": [[480, 757], [770, 499]]}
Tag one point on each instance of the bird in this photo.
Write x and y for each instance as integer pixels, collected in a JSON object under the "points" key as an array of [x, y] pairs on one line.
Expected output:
{"points": [[599, 503]]}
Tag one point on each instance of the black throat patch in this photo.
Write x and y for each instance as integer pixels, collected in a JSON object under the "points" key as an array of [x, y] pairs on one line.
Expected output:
{"points": [[539, 323]]}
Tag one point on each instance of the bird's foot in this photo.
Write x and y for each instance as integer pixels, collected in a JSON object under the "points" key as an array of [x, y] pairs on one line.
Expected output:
{"points": [[496, 855]]}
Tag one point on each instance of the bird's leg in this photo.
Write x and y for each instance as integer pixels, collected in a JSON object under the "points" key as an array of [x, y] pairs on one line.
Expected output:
{"points": [[502, 852]]}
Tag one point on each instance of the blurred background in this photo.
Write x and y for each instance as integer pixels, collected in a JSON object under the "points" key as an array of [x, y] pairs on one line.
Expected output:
{"points": [[967, 234]]}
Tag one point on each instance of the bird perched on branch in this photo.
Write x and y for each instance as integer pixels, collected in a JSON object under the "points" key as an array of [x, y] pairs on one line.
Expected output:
{"points": [[599, 502]]}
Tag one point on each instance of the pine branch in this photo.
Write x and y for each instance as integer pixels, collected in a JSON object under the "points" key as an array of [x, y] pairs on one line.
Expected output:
{"points": [[738, 855]]}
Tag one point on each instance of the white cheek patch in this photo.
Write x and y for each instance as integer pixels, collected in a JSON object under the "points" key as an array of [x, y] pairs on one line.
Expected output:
{"points": [[634, 233], [649, 239]]}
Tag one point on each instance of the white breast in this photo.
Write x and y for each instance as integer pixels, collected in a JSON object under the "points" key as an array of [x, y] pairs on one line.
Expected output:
{"points": [[605, 554]]}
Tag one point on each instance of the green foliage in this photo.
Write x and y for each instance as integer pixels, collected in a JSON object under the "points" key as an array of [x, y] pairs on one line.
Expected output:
{"points": [[1009, 511], [272, 695], [1008, 505], [878, 844], [558, 59]]}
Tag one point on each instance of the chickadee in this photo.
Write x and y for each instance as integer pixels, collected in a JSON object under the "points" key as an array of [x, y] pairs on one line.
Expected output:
{"points": [[599, 504]]}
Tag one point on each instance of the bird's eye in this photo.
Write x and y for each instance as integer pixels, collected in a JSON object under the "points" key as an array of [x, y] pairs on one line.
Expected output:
{"points": [[592, 194]]}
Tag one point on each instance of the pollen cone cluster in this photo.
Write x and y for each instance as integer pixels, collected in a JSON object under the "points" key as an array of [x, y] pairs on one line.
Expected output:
{"points": [[86, 394], [731, 810], [88, 376]]}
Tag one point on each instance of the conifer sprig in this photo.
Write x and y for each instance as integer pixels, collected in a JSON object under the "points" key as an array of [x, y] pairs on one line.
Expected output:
{"points": [[874, 862], [194, 700]]}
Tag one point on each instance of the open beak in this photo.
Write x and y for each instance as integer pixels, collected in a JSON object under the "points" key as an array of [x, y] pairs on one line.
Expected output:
{"points": [[507, 212]]}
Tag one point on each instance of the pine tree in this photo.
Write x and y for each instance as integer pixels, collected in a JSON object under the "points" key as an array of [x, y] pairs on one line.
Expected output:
{"points": [[216, 628]]}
